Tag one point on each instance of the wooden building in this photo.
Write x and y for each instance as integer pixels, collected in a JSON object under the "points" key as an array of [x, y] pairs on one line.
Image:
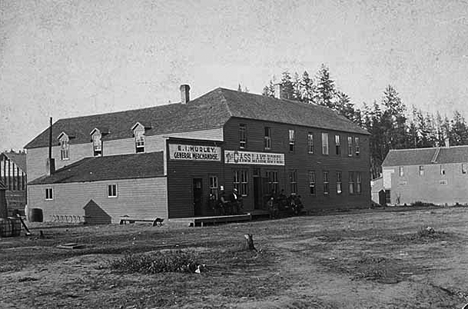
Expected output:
{"points": [[224, 138], [436, 175], [13, 175]]}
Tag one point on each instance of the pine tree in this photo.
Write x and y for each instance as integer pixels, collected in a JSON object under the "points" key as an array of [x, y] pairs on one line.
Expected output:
{"points": [[307, 88], [325, 90]]}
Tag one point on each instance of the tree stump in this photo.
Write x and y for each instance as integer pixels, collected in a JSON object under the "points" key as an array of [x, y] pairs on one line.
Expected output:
{"points": [[249, 244]]}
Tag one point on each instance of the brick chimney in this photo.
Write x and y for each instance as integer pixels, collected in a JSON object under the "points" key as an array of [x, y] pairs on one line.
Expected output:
{"points": [[184, 94], [50, 163], [279, 93]]}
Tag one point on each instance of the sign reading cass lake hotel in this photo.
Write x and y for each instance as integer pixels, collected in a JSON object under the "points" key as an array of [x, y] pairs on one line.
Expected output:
{"points": [[194, 152], [247, 157]]}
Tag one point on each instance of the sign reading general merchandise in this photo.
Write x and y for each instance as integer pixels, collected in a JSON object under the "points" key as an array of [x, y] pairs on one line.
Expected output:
{"points": [[194, 152], [247, 157]]}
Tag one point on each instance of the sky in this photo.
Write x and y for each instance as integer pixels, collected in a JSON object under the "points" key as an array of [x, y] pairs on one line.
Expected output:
{"points": [[69, 58]]}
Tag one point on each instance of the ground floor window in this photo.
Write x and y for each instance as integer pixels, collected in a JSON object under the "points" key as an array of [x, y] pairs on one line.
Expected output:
{"points": [[312, 182], [214, 186], [112, 190], [339, 188], [49, 195], [351, 182], [387, 197], [241, 181], [326, 183], [293, 182], [358, 183], [272, 178]]}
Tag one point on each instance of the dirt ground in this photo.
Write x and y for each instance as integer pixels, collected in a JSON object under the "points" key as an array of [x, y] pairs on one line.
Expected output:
{"points": [[380, 258]]}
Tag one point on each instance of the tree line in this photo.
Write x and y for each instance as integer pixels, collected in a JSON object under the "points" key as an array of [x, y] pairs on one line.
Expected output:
{"points": [[390, 123]]}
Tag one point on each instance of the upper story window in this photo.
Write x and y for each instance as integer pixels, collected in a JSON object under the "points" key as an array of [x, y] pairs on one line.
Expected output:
{"points": [[112, 190], [464, 168], [350, 146], [421, 170], [310, 142], [49, 194], [242, 136], [139, 134], [325, 150], [337, 145], [401, 171], [64, 141], [292, 139], [267, 138], [442, 170], [97, 143], [357, 149]]}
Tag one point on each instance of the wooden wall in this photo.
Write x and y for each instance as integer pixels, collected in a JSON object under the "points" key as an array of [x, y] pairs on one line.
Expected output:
{"points": [[137, 198]]}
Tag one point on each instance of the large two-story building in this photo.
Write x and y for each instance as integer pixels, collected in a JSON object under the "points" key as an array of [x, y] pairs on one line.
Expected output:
{"points": [[165, 161]]}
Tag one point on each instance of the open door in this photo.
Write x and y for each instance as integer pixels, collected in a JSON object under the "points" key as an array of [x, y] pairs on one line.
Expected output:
{"points": [[197, 190]]}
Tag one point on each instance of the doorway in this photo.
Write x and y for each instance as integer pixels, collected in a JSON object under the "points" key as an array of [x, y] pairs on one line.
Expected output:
{"points": [[197, 189]]}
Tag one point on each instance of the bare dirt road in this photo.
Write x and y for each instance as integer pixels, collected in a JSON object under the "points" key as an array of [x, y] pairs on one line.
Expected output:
{"points": [[382, 258]]}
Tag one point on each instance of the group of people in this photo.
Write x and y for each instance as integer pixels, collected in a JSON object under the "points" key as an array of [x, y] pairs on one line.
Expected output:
{"points": [[281, 205], [227, 205]]}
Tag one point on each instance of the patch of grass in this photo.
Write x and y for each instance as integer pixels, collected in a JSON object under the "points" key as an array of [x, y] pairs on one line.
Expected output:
{"points": [[424, 234], [156, 262]]}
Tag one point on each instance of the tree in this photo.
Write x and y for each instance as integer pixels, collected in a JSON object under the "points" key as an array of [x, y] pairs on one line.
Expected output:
{"points": [[307, 89], [394, 119], [325, 90]]}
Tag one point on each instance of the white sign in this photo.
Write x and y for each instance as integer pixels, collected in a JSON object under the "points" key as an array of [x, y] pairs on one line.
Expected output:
{"points": [[247, 157], [194, 152]]}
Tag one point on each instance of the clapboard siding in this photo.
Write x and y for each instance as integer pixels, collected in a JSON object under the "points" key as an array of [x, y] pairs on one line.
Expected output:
{"points": [[36, 157], [303, 162], [138, 198]]}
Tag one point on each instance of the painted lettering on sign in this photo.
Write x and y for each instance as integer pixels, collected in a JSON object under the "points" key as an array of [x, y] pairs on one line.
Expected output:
{"points": [[194, 152], [247, 157]]}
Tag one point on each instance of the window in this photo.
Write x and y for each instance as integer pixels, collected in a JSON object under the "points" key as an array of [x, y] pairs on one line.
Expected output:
{"points": [[387, 197], [267, 138], [421, 170], [241, 182], [350, 146], [325, 143], [292, 139], [339, 187], [351, 182], [401, 171], [242, 136], [310, 142], [442, 170], [140, 141], [272, 178], [326, 187], [112, 190], [97, 145], [337, 145], [464, 167], [312, 182], [214, 186], [356, 146], [64, 149], [49, 195], [293, 182], [358, 183]]}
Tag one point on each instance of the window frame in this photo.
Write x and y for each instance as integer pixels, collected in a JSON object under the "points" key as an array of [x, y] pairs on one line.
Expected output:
{"points": [[267, 138], [351, 183], [350, 146], [310, 142], [464, 168], [421, 170], [97, 144], [214, 185], [273, 184], [339, 182], [293, 182], [112, 190], [292, 140], [312, 183], [49, 194], [337, 145], [242, 136], [358, 182], [241, 181], [325, 144], [326, 182], [442, 170], [401, 171], [357, 147], [64, 150]]}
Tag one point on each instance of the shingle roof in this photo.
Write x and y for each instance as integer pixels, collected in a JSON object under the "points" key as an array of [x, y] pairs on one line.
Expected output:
{"points": [[140, 165], [425, 156], [209, 111], [18, 158]]}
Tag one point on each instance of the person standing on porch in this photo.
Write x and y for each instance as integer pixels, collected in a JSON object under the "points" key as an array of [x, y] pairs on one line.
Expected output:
{"points": [[234, 199]]}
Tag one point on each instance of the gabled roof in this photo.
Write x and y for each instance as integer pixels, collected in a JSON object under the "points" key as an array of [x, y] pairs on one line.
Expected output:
{"points": [[209, 111], [426, 156], [132, 166], [19, 158]]}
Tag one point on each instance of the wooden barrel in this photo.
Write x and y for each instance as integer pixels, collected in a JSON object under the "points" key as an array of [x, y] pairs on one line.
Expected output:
{"points": [[36, 215], [5, 227], [15, 226]]}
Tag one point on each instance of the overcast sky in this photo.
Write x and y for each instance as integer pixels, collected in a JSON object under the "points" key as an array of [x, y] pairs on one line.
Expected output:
{"points": [[64, 59]]}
